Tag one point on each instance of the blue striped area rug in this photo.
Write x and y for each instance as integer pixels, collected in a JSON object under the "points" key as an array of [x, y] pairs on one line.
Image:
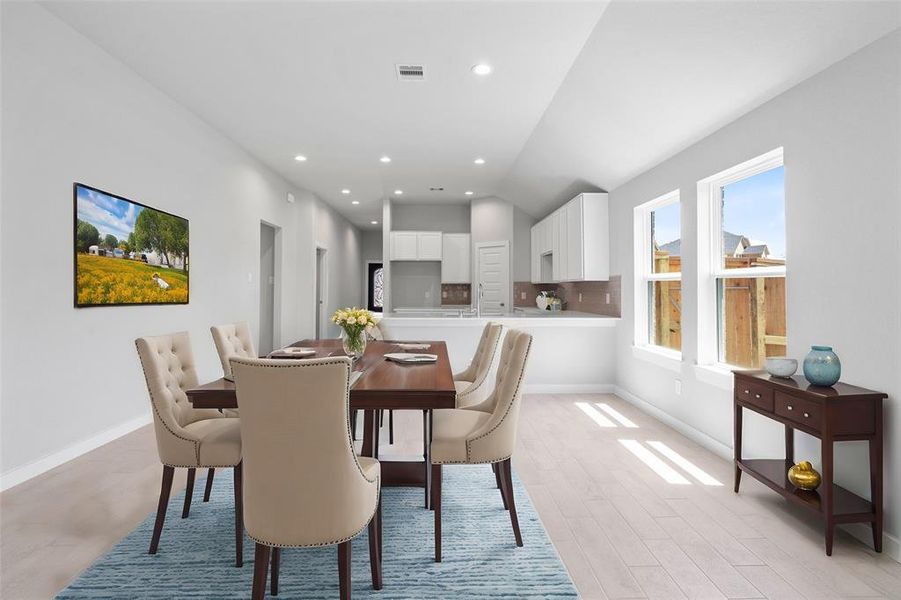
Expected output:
{"points": [[480, 557]]}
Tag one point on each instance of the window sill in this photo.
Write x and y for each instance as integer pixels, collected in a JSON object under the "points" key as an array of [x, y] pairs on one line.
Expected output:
{"points": [[714, 375], [668, 359]]}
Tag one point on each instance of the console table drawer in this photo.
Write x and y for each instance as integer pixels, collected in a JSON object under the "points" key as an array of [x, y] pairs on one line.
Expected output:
{"points": [[798, 410], [759, 395]]}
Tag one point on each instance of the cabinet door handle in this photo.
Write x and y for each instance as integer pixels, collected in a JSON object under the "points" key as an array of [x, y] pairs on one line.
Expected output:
{"points": [[806, 415], [757, 396], [747, 391], [789, 407]]}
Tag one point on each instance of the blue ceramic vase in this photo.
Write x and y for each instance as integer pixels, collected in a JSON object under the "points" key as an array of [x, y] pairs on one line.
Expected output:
{"points": [[822, 366]]}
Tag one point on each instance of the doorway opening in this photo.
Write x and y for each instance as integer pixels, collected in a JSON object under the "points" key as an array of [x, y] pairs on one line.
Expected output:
{"points": [[268, 321], [321, 292], [375, 286]]}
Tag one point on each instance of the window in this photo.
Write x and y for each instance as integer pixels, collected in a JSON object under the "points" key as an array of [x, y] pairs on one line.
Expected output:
{"points": [[741, 263], [658, 275]]}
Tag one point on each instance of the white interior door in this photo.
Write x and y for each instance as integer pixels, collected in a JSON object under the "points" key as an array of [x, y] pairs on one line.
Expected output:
{"points": [[493, 272]]}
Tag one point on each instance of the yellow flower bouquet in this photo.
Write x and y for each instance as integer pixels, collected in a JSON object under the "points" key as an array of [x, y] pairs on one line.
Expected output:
{"points": [[354, 323]]}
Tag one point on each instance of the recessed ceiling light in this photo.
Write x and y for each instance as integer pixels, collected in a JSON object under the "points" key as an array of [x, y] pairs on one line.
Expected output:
{"points": [[345, 191], [300, 158], [481, 69], [479, 161], [374, 222], [355, 202], [468, 193], [398, 192], [385, 159]]}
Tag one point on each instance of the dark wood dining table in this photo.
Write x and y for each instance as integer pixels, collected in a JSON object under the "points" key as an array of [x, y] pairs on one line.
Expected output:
{"points": [[382, 385]]}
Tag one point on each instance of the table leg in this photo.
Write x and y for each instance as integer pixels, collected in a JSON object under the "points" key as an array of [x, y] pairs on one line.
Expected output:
{"points": [[736, 443], [789, 447], [826, 487], [875, 444], [426, 455], [368, 448]]}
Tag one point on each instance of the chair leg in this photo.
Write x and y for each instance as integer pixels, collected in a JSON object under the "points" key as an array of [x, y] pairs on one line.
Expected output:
{"points": [[507, 483], [344, 570], [189, 493], [436, 506], [165, 488], [209, 484], [497, 480], [260, 570], [375, 547], [276, 563], [239, 518], [391, 427]]}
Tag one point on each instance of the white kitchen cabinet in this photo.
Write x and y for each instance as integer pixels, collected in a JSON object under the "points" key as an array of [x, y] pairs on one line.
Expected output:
{"points": [[429, 245], [573, 243], [415, 245], [455, 258], [404, 245]]}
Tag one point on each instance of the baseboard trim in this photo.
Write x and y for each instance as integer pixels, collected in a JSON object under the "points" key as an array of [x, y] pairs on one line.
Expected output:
{"points": [[696, 435], [18, 475], [566, 388], [891, 546]]}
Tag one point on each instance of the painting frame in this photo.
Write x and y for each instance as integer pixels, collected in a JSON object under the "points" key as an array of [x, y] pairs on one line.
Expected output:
{"points": [[75, 254]]}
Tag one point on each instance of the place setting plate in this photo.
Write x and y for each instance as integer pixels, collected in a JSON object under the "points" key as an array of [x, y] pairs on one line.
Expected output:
{"points": [[411, 359], [292, 352]]}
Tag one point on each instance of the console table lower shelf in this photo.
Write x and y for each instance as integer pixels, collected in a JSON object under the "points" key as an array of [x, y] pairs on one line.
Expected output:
{"points": [[841, 413]]}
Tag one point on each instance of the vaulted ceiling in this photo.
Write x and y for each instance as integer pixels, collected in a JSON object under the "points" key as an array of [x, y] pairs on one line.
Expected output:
{"points": [[583, 95]]}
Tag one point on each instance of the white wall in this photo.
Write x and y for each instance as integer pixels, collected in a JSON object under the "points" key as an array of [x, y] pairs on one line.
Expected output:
{"points": [[447, 218], [841, 131], [522, 245], [70, 112], [345, 278]]}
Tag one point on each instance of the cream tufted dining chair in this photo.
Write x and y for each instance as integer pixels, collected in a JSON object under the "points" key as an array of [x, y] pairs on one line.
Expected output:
{"points": [[304, 485], [233, 339], [186, 437], [472, 383], [461, 436]]}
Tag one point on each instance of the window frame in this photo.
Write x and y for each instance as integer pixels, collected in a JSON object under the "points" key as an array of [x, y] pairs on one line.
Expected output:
{"points": [[711, 261], [643, 241]]}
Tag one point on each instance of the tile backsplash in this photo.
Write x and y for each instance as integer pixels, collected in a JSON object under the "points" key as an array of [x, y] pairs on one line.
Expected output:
{"points": [[456, 294], [593, 295]]}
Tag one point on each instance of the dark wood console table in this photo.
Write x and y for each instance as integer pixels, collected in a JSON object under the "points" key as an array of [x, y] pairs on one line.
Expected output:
{"points": [[833, 414]]}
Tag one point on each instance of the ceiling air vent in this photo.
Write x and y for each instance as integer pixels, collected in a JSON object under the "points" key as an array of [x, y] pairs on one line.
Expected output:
{"points": [[409, 72], [436, 189]]}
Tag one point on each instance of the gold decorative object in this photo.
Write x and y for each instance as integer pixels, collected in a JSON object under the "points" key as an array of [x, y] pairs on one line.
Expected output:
{"points": [[804, 476]]}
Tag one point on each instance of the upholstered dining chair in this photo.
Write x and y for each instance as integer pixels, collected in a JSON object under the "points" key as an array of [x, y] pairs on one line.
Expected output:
{"points": [[461, 436], [233, 339], [304, 485], [186, 437], [472, 383]]}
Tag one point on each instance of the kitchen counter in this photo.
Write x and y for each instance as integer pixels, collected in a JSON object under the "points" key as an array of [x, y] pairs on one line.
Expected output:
{"points": [[571, 351]]}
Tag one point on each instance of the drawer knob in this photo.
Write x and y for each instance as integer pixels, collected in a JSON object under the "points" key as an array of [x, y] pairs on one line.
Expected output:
{"points": [[789, 407], [747, 391], [806, 415], [757, 396]]}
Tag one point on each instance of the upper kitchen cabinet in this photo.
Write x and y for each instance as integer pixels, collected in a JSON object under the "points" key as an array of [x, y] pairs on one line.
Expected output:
{"points": [[415, 245], [455, 258], [573, 243]]}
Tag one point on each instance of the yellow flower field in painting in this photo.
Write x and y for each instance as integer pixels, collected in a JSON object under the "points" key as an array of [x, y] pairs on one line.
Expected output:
{"points": [[108, 280]]}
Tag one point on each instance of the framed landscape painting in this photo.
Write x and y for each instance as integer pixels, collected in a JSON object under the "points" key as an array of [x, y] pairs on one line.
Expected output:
{"points": [[126, 252]]}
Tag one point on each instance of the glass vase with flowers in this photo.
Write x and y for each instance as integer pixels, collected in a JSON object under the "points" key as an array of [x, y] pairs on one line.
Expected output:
{"points": [[354, 324]]}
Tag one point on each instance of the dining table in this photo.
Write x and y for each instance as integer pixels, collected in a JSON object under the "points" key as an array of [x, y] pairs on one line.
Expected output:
{"points": [[377, 384]]}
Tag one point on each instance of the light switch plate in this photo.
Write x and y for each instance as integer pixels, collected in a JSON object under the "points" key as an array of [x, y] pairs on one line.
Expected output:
{"points": [[522, 295], [580, 296], [607, 298], [443, 293], [678, 383]]}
